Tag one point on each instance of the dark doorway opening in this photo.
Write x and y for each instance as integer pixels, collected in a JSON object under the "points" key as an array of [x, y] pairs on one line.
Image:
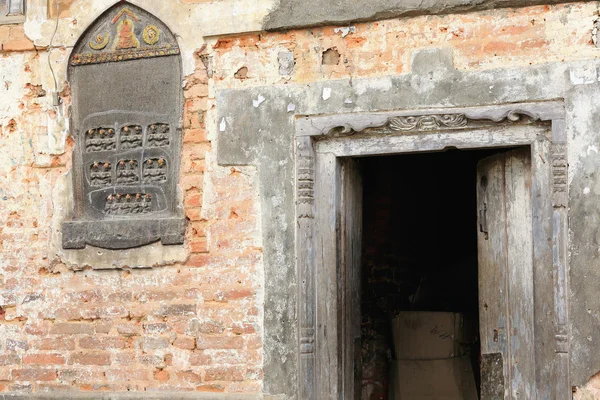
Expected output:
{"points": [[419, 253]]}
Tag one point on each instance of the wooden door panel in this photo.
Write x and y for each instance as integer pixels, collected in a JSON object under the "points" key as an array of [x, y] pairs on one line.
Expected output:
{"points": [[350, 285], [505, 250]]}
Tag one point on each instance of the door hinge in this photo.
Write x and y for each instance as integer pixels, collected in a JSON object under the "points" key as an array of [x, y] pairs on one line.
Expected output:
{"points": [[483, 221]]}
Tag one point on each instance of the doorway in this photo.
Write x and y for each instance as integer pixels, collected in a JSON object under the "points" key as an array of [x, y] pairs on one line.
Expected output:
{"points": [[420, 263], [521, 231]]}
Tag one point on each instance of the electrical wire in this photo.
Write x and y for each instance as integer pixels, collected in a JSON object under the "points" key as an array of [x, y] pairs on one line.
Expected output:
{"points": [[50, 48]]}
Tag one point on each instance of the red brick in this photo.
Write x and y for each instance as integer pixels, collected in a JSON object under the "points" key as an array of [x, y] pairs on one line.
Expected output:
{"points": [[236, 294], [44, 359], [156, 328], [18, 45], [200, 90], [243, 328], [205, 342], [189, 376], [161, 375], [125, 375], [207, 327], [230, 374], [195, 136], [212, 388], [10, 359], [200, 359], [185, 342], [199, 245], [153, 343], [129, 329], [176, 309], [99, 343], [198, 260], [99, 358], [34, 374], [71, 328], [55, 343], [194, 214], [193, 198]]}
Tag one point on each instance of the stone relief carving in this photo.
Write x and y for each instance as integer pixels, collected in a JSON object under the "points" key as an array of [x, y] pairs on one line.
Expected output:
{"points": [[155, 170], [121, 38], [431, 122], [100, 139], [158, 135], [128, 147], [131, 137], [427, 122], [128, 204], [101, 173], [128, 172]]}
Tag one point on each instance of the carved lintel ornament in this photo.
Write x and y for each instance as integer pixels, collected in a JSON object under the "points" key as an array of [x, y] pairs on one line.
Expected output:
{"points": [[427, 122]]}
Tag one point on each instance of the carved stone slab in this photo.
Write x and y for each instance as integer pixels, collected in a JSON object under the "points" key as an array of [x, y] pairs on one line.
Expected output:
{"points": [[127, 104]]}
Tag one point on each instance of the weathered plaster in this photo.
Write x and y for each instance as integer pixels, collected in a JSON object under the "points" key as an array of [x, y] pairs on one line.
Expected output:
{"points": [[261, 134], [201, 17]]}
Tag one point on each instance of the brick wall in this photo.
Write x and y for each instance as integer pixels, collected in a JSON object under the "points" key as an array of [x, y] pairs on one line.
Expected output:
{"points": [[192, 326], [195, 325]]}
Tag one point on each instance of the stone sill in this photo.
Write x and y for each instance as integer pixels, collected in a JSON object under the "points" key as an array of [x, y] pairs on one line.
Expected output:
{"points": [[12, 19], [123, 233]]}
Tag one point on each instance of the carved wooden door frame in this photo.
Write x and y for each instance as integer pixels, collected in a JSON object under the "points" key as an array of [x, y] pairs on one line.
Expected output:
{"points": [[323, 142]]}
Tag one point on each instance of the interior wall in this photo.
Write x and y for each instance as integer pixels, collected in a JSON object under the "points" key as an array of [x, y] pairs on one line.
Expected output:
{"points": [[419, 248]]}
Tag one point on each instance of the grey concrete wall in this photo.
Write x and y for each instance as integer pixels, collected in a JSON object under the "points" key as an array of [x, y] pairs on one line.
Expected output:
{"points": [[261, 134], [289, 14]]}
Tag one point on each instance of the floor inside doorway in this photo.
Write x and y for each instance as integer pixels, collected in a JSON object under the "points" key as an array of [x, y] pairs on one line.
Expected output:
{"points": [[419, 252]]}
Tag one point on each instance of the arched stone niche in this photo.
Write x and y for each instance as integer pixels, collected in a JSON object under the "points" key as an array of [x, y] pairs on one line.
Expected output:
{"points": [[125, 76]]}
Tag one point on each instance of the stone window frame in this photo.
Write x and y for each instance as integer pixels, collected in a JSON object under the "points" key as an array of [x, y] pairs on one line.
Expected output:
{"points": [[323, 142], [17, 16]]}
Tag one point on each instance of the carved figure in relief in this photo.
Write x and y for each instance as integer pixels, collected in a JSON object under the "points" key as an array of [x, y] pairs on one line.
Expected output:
{"points": [[151, 35], [155, 170], [100, 139], [100, 174], [158, 135], [125, 36], [131, 137], [128, 204], [128, 172], [100, 41]]}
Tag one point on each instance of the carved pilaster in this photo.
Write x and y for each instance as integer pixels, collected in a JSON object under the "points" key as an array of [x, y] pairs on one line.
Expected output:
{"points": [[305, 200], [305, 181], [559, 174]]}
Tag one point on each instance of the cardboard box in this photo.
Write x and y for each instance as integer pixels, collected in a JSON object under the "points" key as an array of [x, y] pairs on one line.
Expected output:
{"points": [[425, 335], [449, 379]]}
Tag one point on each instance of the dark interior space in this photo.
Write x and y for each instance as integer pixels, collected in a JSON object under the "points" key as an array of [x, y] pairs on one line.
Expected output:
{"points": [[419, 251]]}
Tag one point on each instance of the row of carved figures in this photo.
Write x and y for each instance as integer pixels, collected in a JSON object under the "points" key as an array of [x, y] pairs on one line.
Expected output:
{"points": [[131, 137], [127, 172], [128, 203]]}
